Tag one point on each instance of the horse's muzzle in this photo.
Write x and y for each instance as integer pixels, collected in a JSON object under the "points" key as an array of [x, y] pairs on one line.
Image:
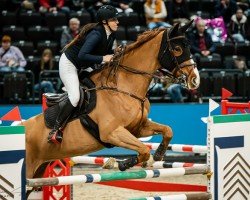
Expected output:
{"points": [[194, 80]]}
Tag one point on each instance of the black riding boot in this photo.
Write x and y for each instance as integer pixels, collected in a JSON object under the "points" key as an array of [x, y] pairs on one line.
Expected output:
{"points": [[56, 135]]}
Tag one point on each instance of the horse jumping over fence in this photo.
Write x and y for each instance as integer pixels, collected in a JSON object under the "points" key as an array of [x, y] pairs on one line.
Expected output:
{"points": [[121, 105]]}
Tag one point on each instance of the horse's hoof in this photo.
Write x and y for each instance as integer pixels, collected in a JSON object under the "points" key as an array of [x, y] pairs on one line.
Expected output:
{"points": [[122, 166], [157, 157], [110, 164], [148, 163], [144, 164]]}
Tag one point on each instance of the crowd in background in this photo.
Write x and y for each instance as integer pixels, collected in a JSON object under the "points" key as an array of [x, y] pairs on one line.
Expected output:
{"points": [[229, 23]]}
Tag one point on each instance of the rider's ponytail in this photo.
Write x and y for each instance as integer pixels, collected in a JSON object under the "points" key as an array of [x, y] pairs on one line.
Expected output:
{"points": [[85, 29]]}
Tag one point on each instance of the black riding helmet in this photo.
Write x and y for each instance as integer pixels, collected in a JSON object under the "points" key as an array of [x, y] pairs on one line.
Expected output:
{"points": [[106, 12]]}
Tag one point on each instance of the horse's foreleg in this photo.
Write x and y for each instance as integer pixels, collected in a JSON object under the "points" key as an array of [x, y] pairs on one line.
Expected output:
{"points": [[150, 128], [123, 138]]}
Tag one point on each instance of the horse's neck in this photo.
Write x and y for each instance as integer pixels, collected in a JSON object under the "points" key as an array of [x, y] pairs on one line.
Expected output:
{"points": [[143, 58]]}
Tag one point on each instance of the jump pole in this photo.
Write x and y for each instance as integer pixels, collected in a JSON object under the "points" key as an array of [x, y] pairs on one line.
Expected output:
{"points": [[138, 174], [180, 148], [188, 196], [156, 165]]}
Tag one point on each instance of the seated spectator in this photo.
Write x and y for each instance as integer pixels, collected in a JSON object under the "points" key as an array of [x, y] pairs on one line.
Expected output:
{"points": [[225, 8], [176, 92], [243, 4], [11, 58], [178, 12], [69, 33], [156, 88], [24, 5], [238, 26], [78, 5], [53, 6], [122, 5], [155, 13], [201, 42], [46, 63]]}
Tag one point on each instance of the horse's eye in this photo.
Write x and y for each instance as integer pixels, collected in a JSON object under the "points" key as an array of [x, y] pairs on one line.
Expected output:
{"points": [[177, 49]]}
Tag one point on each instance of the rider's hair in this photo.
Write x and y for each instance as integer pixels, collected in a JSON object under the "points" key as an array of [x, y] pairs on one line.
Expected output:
{"points": [[83, 32]]}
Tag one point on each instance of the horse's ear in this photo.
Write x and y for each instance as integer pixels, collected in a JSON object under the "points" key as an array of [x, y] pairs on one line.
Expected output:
{"points": [[184, 28], [174, 30]]}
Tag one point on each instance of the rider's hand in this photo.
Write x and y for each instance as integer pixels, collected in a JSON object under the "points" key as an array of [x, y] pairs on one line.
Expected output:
{"points": [[107, 58]]}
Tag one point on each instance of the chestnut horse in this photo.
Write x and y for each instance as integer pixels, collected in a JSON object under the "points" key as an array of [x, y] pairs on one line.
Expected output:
{"points": [[121, 113]]}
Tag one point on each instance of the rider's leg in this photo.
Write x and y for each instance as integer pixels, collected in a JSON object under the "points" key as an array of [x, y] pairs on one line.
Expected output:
{"points": [[69, 77]]}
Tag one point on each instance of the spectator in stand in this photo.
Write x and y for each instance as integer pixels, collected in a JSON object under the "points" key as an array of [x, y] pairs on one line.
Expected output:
{"points": [[238, 26], [225, 8], [155, 13], [71, 32], [178, 12], [201, 42], [46, 63], [122, 5], [24, 5], [176, 92], [11, 58], [53, 6]]}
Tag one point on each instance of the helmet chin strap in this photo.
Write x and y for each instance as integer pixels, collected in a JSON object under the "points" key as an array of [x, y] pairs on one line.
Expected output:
{"points": [[110, 29]]}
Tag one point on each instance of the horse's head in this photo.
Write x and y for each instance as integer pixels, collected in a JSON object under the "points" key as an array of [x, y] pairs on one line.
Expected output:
{"points": [[175, 56]]}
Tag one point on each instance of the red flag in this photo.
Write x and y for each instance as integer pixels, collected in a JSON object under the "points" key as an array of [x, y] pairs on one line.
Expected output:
{"points": [[225, 93], [13, 115]]}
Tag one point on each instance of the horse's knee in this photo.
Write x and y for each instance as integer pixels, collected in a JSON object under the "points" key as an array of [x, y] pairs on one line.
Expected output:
{"points": [[144, 153], [168, 133]]}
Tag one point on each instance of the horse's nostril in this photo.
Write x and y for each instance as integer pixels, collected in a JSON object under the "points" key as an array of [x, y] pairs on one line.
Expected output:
{"points": [[194, 81]]}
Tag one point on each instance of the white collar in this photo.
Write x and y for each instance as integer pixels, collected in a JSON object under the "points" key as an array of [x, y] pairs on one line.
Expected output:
{"points": [[108, 33]]}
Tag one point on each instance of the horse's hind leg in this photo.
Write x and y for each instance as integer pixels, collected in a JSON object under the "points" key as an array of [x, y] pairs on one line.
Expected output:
{"points": [[123, 138], [150, 128]]}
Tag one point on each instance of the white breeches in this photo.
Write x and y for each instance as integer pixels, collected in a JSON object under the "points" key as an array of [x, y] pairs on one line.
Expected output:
{"points": [[69, 77]]}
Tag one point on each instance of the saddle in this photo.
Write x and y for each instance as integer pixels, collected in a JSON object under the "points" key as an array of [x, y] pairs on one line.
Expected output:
{"points": [[86, 104]]}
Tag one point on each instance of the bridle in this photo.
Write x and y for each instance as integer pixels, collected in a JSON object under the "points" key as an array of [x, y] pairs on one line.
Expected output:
{"points": [[182, 79]]}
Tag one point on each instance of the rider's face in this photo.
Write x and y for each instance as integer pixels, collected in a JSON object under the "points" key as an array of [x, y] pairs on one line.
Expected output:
{"points": [[113, 23]]}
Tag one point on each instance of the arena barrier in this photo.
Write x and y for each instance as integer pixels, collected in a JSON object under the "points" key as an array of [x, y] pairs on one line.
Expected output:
{"points": [[103, 160], [12, 170], [188, 196], [138, 174], [228, 156]]}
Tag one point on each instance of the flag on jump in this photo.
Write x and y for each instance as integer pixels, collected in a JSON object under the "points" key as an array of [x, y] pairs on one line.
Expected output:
{"points": [[212, 105], [225, 93], [13, 115]]}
